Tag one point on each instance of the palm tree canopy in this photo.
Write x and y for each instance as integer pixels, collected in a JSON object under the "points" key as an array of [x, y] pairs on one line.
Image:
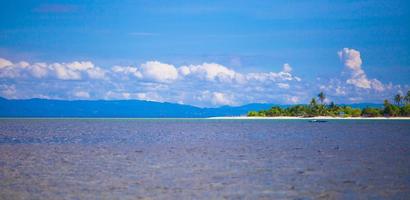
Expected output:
{"points": [[407, 97], [386, 102], [313, 102], [398, 98], [321, 96]]}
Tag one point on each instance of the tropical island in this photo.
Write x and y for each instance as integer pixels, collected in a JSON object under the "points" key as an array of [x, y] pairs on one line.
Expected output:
{"points": [[317, 108]]}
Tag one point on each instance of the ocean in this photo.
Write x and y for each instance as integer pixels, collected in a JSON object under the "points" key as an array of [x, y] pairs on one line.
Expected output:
{"points": [[204, 159]]}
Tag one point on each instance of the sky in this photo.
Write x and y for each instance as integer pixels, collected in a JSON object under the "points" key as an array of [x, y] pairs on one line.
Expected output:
{"points": [[205, 53]]}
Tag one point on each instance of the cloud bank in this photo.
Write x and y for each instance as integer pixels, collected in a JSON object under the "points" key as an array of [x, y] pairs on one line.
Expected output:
{"points": [[206, 84], [62, 71]]}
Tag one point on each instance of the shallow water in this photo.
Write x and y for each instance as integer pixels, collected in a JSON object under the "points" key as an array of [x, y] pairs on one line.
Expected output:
{"points": [[204, 159]]}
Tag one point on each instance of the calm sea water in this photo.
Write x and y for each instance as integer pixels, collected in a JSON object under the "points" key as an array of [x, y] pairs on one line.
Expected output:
{"points": [[204, 159]]}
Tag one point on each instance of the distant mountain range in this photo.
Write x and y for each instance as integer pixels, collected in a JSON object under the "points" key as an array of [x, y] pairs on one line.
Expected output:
{"points": [[123, 108]]}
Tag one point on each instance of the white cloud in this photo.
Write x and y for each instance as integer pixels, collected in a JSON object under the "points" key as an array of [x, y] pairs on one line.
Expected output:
{"points": [[127, 70], [10, 72], [207, 84], [377, 85], [361, 82], [96, 73], [160, 72], [109, 95], [38, 70], [23, 64], [340, 91], [287, 68], [4, 63], [148, 96], [297, 79], [284, 75], [210, 72], [216, 98], [63, 71], [150, 80], [352, 61], [219, 98], [8, 91], [75, 70], [184, 70]]}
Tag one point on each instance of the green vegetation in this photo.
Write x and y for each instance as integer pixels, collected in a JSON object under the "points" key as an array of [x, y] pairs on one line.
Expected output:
{"points": [[401, 107]]}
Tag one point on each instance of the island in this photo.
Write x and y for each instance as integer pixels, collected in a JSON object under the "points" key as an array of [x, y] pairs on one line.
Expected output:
{"points": [[318, 108]]}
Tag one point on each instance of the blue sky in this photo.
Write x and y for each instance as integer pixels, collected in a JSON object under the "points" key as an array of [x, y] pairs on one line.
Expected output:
{"points": [[205, 53]]}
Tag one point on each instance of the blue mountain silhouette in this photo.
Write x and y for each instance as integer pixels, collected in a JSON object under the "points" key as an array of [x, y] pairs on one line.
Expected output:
{"points": [[122, 108]]}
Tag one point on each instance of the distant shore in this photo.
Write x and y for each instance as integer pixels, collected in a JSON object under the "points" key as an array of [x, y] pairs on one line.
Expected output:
{"points": [[318, 117]]}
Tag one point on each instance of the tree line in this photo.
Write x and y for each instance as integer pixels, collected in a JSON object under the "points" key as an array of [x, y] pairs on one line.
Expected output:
{"points": [[318, 107]]}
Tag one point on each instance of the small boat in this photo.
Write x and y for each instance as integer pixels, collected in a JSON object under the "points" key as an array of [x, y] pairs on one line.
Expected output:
{"points": [[317, 121]]}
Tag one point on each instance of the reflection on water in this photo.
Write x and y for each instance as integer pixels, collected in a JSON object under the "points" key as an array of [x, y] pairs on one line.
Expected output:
{"points": [[205, 159]]}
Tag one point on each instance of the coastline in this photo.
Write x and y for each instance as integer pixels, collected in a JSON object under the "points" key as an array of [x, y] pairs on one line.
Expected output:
{"points": [[313, 118]]}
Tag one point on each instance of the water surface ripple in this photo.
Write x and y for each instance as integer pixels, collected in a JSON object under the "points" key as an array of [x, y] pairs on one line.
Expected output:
{"points": [[204, 159]]}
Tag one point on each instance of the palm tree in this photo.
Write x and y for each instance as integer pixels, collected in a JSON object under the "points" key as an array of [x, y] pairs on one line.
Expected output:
{"points": [[332, 105], [407, 97], [313, 107], [322, 97], [313, 102], [386, 103], [398, 99]]}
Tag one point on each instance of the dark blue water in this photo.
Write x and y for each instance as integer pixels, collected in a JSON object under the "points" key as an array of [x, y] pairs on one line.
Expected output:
{"points": [[204, 159]]}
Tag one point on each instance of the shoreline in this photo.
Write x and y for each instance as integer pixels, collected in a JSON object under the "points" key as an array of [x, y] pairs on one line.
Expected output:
{"points": [[313, 118]]}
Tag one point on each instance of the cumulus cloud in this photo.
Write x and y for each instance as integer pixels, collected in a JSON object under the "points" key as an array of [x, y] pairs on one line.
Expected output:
{"points": [[217, 98], [206, 84], [4, 63], [287, 68], [8, 91], [211, 72], [147, 96], [39, 70], [352, 61], [284, 75], [76, 70], [160, 72], [356, 87], [63, 71], [127, 70]]}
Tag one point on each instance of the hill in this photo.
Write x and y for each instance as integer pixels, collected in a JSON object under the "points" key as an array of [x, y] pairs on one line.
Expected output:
{"points": [[121, 108]]}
